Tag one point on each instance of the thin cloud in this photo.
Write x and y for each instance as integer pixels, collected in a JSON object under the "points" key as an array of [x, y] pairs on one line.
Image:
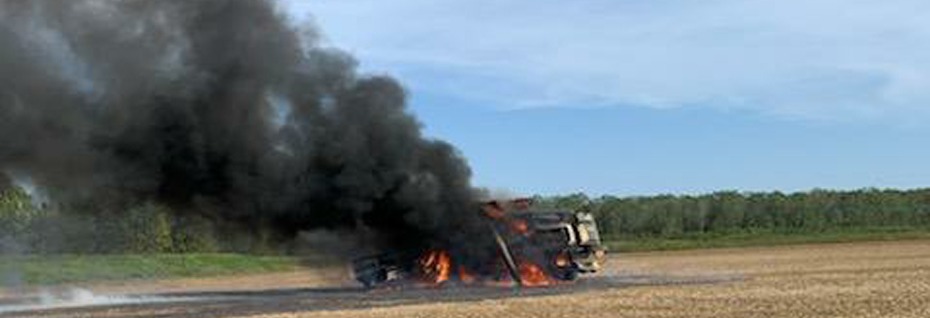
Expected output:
{"points": [[823, 60]]}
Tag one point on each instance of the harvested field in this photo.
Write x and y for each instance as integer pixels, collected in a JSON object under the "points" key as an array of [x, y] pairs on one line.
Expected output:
{"points": [[881, 279]]}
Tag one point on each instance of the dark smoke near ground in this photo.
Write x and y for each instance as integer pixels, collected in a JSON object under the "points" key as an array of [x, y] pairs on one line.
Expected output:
{"points": [[4, 182], [223, 110]]}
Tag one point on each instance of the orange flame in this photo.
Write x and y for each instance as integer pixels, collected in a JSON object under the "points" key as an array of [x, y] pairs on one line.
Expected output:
{"points": [[465, 276], [436, 265], [520, 226], [533, 276]]}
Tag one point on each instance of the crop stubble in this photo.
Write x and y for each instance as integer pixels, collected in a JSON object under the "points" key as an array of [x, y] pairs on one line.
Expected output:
{"points": [[879, 279], [884, 279]]}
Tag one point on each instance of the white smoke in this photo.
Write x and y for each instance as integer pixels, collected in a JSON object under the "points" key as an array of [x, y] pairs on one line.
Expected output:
{"points": [[79, 297]]}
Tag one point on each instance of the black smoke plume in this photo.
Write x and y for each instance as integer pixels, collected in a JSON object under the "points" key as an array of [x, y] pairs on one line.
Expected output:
{"points": [[221, 108], [5, 183]]}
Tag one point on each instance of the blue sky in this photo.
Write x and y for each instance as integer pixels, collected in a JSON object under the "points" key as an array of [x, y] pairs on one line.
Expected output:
{"points": [[643, 97]]}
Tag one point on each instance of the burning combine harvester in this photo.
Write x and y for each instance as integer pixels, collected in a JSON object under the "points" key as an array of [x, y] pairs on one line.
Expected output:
{"points": [[534, 248]]}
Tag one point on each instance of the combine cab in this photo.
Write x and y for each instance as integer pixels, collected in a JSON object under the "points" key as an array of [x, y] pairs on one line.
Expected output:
{"points": [[536, 247]]}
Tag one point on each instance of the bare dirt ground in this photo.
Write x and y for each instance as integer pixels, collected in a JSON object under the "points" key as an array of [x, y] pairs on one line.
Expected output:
{"points": [[886, 279]]}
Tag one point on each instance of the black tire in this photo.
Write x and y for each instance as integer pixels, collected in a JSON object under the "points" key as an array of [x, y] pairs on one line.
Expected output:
{"points": [[570, 275], [372, 279], [566, 274]]}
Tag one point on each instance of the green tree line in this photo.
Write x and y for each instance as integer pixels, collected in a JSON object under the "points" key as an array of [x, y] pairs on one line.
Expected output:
{"points": [[676, 216], [152, 228], [146, 228]]}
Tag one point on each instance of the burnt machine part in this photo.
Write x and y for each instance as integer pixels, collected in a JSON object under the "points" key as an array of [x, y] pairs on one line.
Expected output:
{"points": [[564, 243], [507, 255], [375, 269], [589, 254]]}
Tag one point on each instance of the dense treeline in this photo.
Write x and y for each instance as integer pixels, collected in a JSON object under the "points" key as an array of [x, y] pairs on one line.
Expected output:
{"points": [[150, 228], [671, 216], [30, 228]]}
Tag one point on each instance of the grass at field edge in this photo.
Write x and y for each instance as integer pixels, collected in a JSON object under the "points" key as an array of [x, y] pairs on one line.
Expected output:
{"points": [[734, 240], [34, 270], [65, 269]]}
